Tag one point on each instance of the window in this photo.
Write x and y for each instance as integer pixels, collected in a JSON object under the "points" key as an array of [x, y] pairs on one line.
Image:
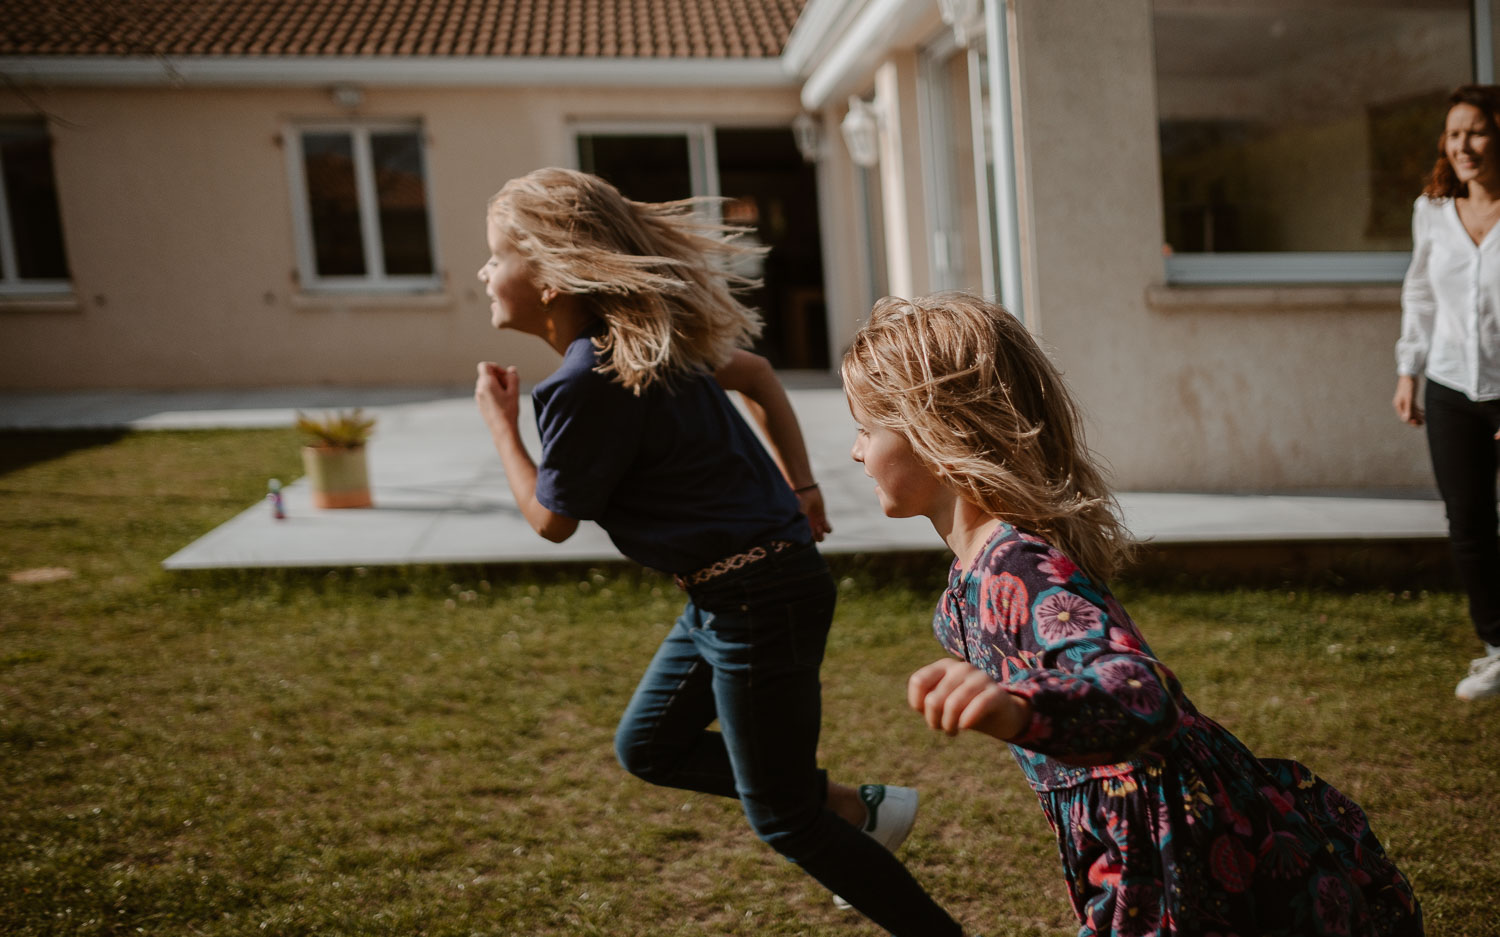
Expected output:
{"points": [[32, 258], [361, 206], [1295, 136]]}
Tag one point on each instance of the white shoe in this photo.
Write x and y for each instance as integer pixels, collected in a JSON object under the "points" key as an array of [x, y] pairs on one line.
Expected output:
{"points": [[890, 813], [1483, 679]]}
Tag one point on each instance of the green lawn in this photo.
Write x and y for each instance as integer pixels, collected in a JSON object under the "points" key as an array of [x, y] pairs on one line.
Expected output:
{"points": [[427, 751]]}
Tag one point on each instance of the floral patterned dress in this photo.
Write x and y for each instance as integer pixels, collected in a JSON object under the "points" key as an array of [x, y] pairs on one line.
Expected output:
{"points": [[1166, 823]]}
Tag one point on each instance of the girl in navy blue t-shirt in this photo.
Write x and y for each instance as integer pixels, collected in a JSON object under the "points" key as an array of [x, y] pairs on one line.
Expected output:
{"points": [[639, 437]]}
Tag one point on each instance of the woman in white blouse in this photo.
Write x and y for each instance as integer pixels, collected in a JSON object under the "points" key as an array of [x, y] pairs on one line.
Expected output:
{"points": [[1450, 334]]}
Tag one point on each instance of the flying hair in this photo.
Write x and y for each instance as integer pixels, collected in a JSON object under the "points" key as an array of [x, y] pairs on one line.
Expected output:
{"points": [[988, 413], [659, 274]]}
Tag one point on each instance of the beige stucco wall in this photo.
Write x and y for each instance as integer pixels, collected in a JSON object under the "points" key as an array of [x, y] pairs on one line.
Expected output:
{"points": [[1287, 389], [179, 232]]}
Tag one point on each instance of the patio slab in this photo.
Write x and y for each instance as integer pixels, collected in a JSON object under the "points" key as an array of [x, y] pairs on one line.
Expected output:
{"points": [[440, 494]]}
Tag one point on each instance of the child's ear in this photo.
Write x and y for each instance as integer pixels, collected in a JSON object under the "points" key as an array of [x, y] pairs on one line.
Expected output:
{"points": [[548, 294]]}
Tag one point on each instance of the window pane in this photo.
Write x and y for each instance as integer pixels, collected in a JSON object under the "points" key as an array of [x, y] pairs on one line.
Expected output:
{"points": [[402, 193], [31, 192], [333, 204], [644, 167], [1302, 127]]}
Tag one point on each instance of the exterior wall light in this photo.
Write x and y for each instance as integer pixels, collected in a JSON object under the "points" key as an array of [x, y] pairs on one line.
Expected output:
{"points": [[861, 130], [809, 136], [348, 97], [965, 16]]}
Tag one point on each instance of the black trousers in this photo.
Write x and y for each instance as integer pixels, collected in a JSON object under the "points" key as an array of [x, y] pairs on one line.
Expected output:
{"points": [[1465, 457]]}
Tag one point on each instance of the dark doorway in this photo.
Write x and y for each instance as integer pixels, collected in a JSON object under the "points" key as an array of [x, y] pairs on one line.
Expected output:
{"points": [[766, 186], [766, 179]]}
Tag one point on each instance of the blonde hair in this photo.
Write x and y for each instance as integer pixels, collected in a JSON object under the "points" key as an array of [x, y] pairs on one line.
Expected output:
{"points": [[657, 273], [985, 409]]}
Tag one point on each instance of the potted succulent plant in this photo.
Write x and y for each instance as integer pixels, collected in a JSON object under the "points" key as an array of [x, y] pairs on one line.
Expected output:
{"points": [[334, 458]]}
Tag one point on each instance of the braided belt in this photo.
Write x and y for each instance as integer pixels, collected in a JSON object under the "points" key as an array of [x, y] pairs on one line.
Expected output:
{"points": [[731, 563]]}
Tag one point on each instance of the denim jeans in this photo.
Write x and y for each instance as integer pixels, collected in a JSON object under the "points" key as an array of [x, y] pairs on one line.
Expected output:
{"points": [[746, 651], [1465, 455]]}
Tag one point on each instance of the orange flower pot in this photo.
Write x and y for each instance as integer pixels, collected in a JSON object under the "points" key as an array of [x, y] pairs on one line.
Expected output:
{"points": [[340, 477]]}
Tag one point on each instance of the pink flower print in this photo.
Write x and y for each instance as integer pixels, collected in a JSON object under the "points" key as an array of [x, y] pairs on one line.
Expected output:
{"points": [[1105, 871], [1124, 639], [1003, 603], [1137, 911], [1279, 799], [1040, 729], [1063, 615], [1078, 823], [1131, 683], [1344, 812], [1333, 905], [1057, 566], [1233, 865], [1282, 855]]}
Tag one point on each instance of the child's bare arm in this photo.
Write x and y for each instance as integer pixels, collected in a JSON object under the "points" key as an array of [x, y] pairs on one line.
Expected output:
{"points": [[954, 695], [766, 399], [497, 392]]}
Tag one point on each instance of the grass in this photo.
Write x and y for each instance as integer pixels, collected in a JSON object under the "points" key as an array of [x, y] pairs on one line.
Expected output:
{"points": [[427, 751]]}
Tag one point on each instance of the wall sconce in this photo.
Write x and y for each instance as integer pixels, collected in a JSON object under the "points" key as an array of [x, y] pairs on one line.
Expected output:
{"points": [[348, 97], [809, 136], [965, 16], [861, 130]]}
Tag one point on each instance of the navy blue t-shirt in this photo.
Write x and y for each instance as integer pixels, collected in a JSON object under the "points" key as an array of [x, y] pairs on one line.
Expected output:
{"points": [[675, 476]]}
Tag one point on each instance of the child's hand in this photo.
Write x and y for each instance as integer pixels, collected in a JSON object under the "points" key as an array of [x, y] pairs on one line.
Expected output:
{"points": [[498, 393], [954, 695], [811, 503]]}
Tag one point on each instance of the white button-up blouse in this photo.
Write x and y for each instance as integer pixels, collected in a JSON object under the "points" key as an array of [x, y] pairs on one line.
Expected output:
{"points": [[1450, 303]]}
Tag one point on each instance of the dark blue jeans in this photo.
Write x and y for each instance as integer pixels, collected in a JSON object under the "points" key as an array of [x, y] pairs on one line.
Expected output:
{"points": [[746, 651], [1465, 456]]}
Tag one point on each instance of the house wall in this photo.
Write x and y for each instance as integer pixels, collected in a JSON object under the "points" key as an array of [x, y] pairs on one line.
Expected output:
{"points": [[1185, 389], [178, 222]]}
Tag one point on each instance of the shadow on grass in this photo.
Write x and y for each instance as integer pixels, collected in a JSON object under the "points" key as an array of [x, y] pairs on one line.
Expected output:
{"points": [[1333, 566], [22, 448]]}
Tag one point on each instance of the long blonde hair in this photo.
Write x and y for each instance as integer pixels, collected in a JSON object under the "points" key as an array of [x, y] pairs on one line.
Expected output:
{"points": [[657, 273], [985, 409]]}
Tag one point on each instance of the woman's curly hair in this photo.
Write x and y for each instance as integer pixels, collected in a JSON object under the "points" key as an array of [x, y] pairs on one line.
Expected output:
{"points": [[985, 409], [659, 274], [1443, 181]]}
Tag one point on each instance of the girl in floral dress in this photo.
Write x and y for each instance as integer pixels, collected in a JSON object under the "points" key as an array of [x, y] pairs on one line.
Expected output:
{"points": [[1165, 822]]}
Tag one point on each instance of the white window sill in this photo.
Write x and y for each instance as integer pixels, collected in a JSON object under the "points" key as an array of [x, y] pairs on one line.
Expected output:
{"points": [[1170, 298], [354, 300], [39, 302], [1309, 268]]}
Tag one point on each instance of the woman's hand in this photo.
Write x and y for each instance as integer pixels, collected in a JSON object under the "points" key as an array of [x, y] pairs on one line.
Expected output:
{"points": [[498, 394], [1405, 402], [954, 695]]}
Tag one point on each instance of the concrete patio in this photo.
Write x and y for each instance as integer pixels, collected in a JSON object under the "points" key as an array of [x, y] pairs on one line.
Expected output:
{"points": [[440, 495]]}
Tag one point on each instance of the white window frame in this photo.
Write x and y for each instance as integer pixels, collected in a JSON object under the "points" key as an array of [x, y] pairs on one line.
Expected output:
{"points": [[1320, 267], [11, 281], [936, 121], [375, 280], [999, 222]]}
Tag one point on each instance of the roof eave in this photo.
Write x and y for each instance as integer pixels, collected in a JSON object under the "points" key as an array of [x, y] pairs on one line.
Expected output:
{"points": [[275, 71]]}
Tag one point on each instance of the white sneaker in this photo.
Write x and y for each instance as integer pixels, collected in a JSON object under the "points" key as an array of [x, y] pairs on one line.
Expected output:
{"points": [[890, 813], [1483, 679]]}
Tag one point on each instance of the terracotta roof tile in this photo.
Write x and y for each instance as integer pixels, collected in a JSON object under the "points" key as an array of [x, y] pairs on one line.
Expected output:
{"points": [[567, 28]]}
